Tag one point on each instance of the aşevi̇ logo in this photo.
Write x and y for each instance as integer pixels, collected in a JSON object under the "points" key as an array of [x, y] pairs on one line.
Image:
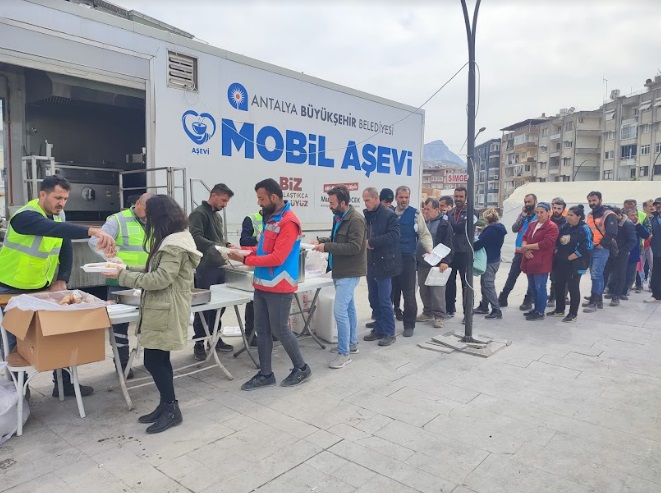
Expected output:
{"points": [[238, 96], [200, 127]]}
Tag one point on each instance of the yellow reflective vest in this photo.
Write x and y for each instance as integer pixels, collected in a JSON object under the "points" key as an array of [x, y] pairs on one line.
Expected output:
{"points": [[130, 239]]}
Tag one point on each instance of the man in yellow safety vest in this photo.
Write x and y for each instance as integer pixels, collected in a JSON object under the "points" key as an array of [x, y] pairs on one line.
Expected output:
{"points": [[38, 245], [127, 227]]}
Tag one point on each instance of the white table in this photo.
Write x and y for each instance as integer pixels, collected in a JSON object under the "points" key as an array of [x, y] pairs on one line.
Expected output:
{"points": [[315, 284], [219, 299]]}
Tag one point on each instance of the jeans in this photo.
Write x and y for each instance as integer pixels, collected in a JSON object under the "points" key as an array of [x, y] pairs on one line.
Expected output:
{"points": [[459, 262], [345, 313], [433, 297], [488, 286], [158, 365], [272, 319], [537, 283], [515, 271], [567, 278], [597, 266], [204, 280], [405, 282], [11, 338], [379, 291]]}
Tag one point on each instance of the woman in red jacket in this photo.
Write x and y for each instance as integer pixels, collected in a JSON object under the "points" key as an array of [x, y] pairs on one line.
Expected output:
{"points": [[537, 249]]}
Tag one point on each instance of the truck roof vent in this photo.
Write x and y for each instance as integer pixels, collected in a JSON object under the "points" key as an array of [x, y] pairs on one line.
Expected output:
{"points": [[182, 71]]}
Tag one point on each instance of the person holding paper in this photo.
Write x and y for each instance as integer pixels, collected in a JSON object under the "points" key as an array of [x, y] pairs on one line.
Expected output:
{"points": [[433, 297], [491, 239]]}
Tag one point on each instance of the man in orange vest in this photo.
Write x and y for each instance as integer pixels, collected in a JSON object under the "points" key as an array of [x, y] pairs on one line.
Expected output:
{"points": [[603, 223]]}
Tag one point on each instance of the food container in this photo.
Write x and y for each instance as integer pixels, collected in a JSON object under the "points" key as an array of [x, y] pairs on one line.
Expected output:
{"points": [[132, 296], [238, 277]]}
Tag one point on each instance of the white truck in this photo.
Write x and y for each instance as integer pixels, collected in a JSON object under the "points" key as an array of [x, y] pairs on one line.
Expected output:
{"points": [[121, 103]]}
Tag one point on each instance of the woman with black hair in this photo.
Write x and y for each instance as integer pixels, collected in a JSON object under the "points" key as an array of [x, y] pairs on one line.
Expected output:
{"points": [[571, 260], [166, 284]]}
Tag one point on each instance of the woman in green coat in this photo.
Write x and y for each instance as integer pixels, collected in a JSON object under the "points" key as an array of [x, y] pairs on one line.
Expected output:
{"points": [[166, 285]]}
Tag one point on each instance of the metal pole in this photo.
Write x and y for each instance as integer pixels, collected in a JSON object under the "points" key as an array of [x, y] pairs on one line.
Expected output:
{"points": [[653, 165], [469, 295]]}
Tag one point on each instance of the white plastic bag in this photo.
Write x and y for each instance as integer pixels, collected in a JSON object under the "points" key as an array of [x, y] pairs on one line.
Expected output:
{"points": [[9, 408], [438, 278], [315, 264], [50, 301]]}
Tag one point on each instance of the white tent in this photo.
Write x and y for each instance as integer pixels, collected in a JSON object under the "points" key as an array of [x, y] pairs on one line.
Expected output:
{"points": [[614, 193]]}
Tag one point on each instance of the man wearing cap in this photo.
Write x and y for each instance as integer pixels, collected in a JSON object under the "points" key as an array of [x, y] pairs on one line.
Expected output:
{"points": [[387, 197], [655, 246]]}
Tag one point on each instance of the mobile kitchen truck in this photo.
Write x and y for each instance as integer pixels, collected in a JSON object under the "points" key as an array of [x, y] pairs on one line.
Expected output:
{"points": [[120, 103]]}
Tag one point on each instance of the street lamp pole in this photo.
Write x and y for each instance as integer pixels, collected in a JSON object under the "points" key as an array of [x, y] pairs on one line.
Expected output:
{"points": [[578, 168], [653, 165], [469, 294]]}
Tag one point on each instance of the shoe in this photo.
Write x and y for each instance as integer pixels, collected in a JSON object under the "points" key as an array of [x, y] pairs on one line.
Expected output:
{"points": [[527, 314], [599, 302], [555, 314], [502, 300], [170, 416], [638, 289], [259, 381], [370, 325], [589, 298], [450, 314], [340, 361], [222, 347], [199, 353], [590, 301], [85, 390], [353, 349], [551, 302], [387, 340], [297, 376], [624, 297], [481, 310], [399, 315], [651, 300], [372, 336], [608, 296], [438, 323], [526, 305], [494, 314], [152, 416], [424, 318], [408, 333], [590, 306], [535, 316], [569, 318]]}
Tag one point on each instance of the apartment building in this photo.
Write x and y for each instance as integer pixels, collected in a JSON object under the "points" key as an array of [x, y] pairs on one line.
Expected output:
{"points": [[487, 173], [631, 135], [518, 155], [432, 175], [570, 146]]}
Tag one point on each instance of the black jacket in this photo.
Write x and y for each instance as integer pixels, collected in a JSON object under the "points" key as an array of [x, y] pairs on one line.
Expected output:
{"points": [[384, 257], [457, 219], [655, 245], [573, 239], [626, 237], [206, 227]]}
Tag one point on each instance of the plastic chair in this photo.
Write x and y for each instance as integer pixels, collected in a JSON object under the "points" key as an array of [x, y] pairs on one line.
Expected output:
{"points": [[22, 372]]}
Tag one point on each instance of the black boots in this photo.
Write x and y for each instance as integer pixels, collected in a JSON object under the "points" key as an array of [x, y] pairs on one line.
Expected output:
{"points": [[170, 416], [591, 305], [481, 309], [494, 314], [526, 305], [502, 300], [152, 416]]}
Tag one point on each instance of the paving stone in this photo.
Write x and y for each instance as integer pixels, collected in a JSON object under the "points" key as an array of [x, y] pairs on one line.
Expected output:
{"points": [[394, 408], [304, 479], [341, 468]]}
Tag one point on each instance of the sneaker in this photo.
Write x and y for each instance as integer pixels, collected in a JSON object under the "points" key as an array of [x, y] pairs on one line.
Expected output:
{"points": [[340, 361], [424, 318], [353, 349], [450, 314], [481, 310], [502, 300], [297, 376], [569, 318], [222, 347], [624, 297], [615, 301], [638, 290], [372, 336], [387, 340], [535, 316], [199, 352], [259, 381], [438, 323], [651, 300], [399, 315], [494, 314], [589, 307], [555, 314], [408, 333], [526, 305], [69, 391], [370, 325], [527, 314]]}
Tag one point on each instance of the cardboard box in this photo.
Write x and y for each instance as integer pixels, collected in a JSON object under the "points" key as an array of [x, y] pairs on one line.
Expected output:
{"points": [[49, 340]]}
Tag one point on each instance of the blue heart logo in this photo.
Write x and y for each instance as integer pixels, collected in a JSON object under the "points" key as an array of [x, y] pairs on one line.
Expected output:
{"points": [[199, 127]]}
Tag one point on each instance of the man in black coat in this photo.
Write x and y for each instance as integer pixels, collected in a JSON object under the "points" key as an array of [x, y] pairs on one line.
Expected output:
{"points": [[383, 263]]}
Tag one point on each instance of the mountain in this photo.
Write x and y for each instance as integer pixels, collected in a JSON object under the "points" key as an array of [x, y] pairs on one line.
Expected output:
{"points": [[438, 152]]}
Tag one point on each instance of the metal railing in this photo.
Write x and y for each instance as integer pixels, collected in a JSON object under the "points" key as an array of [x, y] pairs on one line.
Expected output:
{"points": [[170, 184]]}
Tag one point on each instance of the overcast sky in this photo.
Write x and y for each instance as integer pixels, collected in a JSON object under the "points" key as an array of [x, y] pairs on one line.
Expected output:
{"points": [[535, 56]]}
